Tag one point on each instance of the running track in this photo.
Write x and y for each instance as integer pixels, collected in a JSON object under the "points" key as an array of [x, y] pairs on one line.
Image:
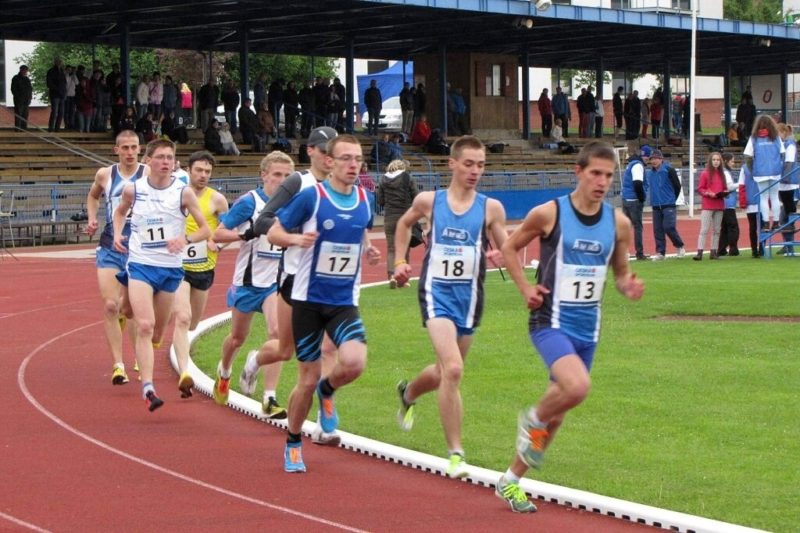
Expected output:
{"points": [[80, 454]]}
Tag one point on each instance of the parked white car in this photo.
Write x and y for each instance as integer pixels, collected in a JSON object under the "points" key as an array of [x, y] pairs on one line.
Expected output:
{"points": [[391, 117]]}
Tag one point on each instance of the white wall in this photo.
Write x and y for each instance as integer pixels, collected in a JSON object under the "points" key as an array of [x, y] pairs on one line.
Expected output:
{"points": [[14, 49]]}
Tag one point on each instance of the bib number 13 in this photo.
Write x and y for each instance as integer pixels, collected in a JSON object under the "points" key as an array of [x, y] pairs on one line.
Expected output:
{"points": [[584, 290]]}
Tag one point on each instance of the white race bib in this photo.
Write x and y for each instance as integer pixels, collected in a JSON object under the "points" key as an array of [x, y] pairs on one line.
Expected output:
{"points": [[452, 263], [338, 259], [582, 284], [153, 233], [195, 253], [267, 250]]}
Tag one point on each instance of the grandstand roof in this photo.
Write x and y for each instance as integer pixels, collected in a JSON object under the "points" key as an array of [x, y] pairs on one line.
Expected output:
{"points": [[565, 36]]}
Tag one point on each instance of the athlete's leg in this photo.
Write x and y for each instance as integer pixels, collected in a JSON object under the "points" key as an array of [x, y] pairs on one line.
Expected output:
{"points": [[182, 310], [352, 359], [302, 395], [240, 328], [141, 298], [110, 294], [570, 386], [272, 372], [198, 300], [450, 353]]}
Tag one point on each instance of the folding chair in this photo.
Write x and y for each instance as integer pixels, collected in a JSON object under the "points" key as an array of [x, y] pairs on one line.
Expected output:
{"points": [[7, 215]]}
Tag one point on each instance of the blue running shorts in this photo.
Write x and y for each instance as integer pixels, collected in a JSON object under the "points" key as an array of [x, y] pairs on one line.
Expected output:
{"points": [[553, 344], [107, 258], [166, 279], [249, 299]]}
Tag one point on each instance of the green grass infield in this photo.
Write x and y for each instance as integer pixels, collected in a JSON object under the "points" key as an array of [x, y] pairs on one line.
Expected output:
{"points": [[697, 414]]}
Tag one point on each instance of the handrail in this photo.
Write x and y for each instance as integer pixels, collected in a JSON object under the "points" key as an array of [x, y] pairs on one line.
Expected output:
{"points": [[63, 143]]}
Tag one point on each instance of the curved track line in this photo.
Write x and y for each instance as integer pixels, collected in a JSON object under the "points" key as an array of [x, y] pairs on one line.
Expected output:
{"points": [[33, 401], [29, 311], [22, 523]]}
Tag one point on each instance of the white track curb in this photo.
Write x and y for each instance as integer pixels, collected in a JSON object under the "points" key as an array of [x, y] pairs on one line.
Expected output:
{"points": [[578, 499]]}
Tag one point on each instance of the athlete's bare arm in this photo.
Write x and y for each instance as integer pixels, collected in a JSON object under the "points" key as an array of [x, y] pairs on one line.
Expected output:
{"points": [[190, 203], [101, 178], [120, 215], [496, 223], [538, 222], [421, 207]]}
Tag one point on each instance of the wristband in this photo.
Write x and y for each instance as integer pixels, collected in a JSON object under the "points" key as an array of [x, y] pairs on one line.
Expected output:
{"points": [[188, 241], [400, 262]]}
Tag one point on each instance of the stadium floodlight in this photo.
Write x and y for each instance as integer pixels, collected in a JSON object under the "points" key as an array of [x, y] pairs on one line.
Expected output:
{"points": [[543, 5]]}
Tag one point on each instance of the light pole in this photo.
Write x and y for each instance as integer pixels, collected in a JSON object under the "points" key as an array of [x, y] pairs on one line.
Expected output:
{"points": [[692, 69]]}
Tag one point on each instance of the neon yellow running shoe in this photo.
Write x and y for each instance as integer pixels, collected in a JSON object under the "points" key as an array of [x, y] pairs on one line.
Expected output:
{"points": [[118, 376], [123, 321], [457, 467], [185, 384], [221, 389], [405, 414], [514, 496]]}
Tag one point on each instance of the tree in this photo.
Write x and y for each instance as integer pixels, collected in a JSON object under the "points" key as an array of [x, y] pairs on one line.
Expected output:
{"points": [[770, 11], [286, 67], [183, 65]]}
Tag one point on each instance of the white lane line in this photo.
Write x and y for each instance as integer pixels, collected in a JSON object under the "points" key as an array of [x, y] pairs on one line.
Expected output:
{"points": [[29, 396], [29, 311], [22, 523]]}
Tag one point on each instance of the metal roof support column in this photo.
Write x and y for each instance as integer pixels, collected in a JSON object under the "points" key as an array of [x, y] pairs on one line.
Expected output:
{"points": [[244, 61], [726, 95], [667, 99], [443, 86], [784, 94], [599, 80], [405, 64], [125, 58], [349, 72], [526, 91]]}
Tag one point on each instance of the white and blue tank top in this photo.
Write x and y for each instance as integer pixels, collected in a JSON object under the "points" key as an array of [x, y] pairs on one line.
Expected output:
{"points": [[113, 193]]}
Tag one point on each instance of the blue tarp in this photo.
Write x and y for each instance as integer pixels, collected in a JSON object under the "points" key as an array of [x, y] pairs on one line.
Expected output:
{"points": [[390, 82]]}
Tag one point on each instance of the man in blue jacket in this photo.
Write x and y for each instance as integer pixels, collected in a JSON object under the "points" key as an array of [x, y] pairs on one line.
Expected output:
{"points": [[634, 191], [665, 186]]}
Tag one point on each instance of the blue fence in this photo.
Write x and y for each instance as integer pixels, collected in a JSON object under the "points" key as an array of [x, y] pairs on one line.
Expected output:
{"points": [[517, 191]]}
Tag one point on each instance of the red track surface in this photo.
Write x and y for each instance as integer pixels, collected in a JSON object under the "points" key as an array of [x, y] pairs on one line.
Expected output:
{"points": [[81, 454]]}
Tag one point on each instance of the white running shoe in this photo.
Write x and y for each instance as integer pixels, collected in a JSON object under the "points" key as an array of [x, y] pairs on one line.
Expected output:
{"points": [[681, 252], [247, 380], [325, 439]]}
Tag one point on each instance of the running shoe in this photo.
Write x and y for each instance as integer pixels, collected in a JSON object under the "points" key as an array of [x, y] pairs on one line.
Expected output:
{"points": [[513, 494], [272, 409], [135, 365], [392, 283], [221, 389], [325, 439], [328, 418], [153, 402], [405, 415], [531, 441], [681, 252], [118, 376], [156, 345], [457, 468], [123, 321], [248, 380], [293, 457], [185, 384]]}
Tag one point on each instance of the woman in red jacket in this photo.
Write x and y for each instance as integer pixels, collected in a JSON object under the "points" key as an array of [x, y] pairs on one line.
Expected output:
{"points": [[713, 191]]}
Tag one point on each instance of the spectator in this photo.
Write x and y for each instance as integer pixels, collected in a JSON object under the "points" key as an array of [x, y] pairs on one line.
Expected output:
{"points": [[169, 101], [226, 138], [306, 101], [420, 101], [617, 106], [208, 101], [599, 115], [290, 109], [374, 103], [645, 117], [729, 232], [186, 104], [588, 108], [365, 178], [407, 106], [230, 101], [436, 143], [22, 91], [171, 129], [144, 127], [117, 103], [156, 96], [745, 117], [546, 112], [334, 108], [765, 154], [712, 190], [748, 199], [142, 96], [656, 115], [665, 186], [275, 101], [260, 91], [787, 189], [422, 131], [128, 120], [84, 102], [212, 140], [395, 194], [633, 115], [634, 192], [249, 126], [69, 99], [561, 110], [382, 152], [341, 95], [266, 128], [57, 91]]}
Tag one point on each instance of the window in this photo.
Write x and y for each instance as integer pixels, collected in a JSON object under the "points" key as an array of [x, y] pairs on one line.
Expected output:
{"points": [[494, 81]]}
